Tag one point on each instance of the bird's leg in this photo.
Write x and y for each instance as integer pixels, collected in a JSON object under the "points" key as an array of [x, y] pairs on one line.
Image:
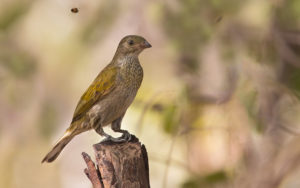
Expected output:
{"points": [[116, 126], [100, 131], [95, 121]]}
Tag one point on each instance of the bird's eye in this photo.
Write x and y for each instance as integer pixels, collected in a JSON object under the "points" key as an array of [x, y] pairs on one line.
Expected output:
{"points": [[130, 42]]}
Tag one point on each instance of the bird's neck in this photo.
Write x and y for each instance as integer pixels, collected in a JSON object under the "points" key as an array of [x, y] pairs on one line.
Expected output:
{"points": [[123, 59], [122, 53]]}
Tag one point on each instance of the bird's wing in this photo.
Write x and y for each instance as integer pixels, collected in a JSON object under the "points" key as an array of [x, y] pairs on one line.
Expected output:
{"points": [[103, 84]]}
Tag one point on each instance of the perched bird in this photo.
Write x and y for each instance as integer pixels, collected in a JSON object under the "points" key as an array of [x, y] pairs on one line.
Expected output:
{"points": [[108, 97]]}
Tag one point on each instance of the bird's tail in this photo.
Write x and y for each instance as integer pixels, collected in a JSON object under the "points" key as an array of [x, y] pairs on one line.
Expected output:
{"points": [[59, 146]]}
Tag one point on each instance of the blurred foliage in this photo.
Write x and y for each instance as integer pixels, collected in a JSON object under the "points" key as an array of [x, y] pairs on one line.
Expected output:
{"points": [[251, 105], [208, 181], [20, 64], [272, 44], [288, 14], [100, 24], [259, 40], [48, 119], [293, 78], [13, 13], [192, 24], [169, 118]]}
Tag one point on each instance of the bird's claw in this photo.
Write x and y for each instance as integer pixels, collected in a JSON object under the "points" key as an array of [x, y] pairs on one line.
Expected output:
{"points": [[126, 136]]}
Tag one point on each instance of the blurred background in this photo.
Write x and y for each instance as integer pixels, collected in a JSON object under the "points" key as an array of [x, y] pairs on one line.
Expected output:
{"points": [[218, 107]]}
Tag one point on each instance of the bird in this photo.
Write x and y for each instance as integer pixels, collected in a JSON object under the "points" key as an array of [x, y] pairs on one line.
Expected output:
{"points": [[108, 97]]}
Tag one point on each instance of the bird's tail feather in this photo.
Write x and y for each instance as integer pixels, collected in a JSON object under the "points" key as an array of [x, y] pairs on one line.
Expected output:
{"points": [[59, 146]]}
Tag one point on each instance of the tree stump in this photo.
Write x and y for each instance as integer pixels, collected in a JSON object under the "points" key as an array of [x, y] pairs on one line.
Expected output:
{"points": [[119, 165]]}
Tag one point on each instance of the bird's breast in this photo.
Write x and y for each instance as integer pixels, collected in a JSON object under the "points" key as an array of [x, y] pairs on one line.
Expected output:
{"points": [[131, 75]]}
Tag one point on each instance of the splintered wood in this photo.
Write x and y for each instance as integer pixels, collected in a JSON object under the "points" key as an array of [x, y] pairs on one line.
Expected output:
{"points": [[119, 165]]}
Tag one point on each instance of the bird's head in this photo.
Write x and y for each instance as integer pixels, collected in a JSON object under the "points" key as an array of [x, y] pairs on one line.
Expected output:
{"points": [[132, 45]]}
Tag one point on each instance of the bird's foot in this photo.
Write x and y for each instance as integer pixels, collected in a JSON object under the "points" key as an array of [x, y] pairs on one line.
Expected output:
{"points": [[124, 138]]}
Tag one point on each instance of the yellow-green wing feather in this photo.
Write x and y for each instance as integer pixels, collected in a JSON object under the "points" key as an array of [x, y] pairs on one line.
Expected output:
{"points": [[103, 84]]}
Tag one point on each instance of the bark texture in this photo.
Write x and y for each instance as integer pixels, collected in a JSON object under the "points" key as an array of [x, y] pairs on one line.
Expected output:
{"points": [[118, 165]]}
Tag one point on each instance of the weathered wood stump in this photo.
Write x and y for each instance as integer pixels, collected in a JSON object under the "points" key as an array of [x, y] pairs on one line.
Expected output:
{"points": [[119, 165]]}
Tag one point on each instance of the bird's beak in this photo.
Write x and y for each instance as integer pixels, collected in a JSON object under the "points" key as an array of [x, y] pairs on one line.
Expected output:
{"points": [[147, 44]]}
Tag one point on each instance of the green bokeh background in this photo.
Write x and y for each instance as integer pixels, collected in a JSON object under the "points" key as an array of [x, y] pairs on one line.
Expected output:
{"points": [[218, 107]]}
